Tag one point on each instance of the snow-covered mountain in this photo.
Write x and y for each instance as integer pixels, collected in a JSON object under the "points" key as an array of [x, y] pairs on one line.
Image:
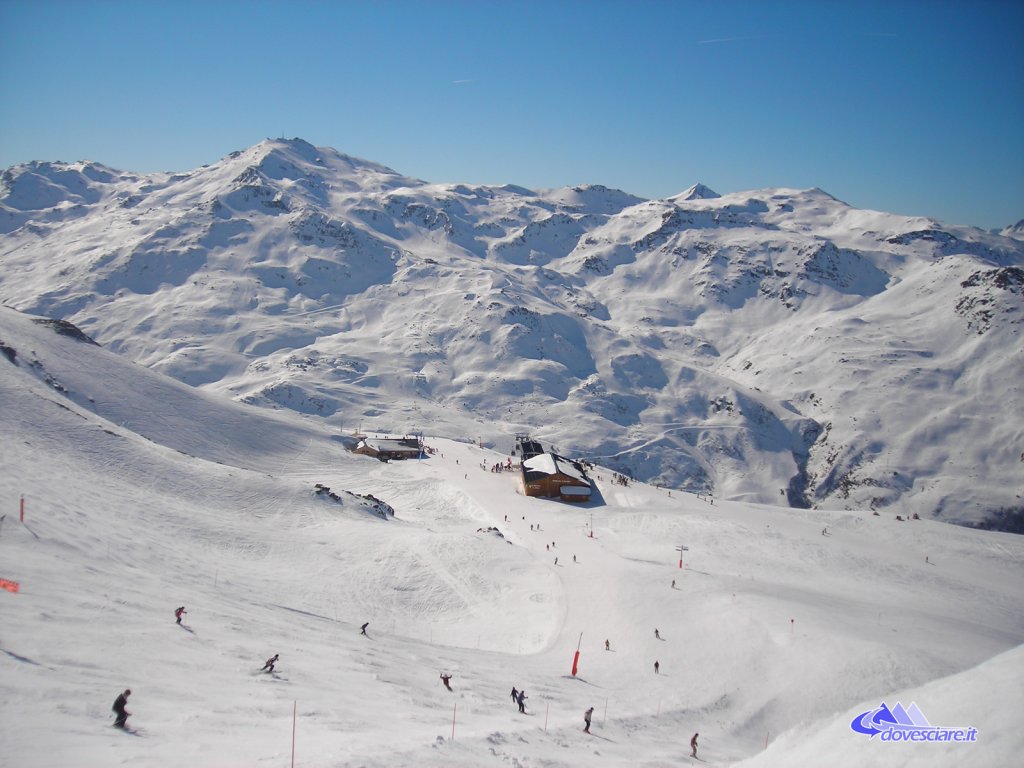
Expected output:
{"points": [[774, 346], [1015, 231], [143, 494]]}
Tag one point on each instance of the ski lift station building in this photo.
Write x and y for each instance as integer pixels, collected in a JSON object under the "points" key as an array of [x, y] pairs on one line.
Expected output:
{"points": [[555, 477], [385, 448]]}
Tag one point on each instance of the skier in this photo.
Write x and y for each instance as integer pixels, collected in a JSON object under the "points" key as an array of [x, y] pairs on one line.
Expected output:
{"points": [[556, 561], [673, 583], [574, 558], [522, 701], [586, 719], [362, 629], [119, 707], [178, 612], [657, 666], [515, 695], [693, 745], [445, 679], [268, 666], [607, 645], [656, 635]]}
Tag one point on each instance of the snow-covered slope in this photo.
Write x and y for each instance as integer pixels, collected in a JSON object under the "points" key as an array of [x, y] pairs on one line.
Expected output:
{"points": [[143, 494], [952, 702], [774, 346]]}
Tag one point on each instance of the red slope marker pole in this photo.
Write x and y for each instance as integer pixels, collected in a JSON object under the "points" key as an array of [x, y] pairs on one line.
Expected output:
{"points": [[23, 509], [576, 658], [295, 709]]}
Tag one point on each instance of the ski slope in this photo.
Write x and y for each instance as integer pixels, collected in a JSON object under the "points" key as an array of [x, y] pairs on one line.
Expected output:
{"points": [[143, 494]]}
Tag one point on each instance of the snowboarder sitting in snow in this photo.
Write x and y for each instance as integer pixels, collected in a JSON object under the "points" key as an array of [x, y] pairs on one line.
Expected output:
{"points": [[179, 612], [269, 665], [586, 719], [119, 707], [445, 679]]}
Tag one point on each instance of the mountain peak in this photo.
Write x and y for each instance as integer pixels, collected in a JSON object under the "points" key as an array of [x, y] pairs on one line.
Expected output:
{"points": [[1016, 231], [697, 192], [289, 158]]}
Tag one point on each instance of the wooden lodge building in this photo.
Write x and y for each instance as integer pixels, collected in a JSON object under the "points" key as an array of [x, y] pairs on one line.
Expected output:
{"points": [[556, 477], [387, 448]]}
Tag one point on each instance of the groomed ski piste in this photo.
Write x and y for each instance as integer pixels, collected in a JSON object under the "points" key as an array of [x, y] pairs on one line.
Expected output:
{"points": [[142, 494]]}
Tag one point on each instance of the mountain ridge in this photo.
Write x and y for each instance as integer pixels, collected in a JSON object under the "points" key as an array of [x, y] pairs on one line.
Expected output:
{"points": [[763, 345]]}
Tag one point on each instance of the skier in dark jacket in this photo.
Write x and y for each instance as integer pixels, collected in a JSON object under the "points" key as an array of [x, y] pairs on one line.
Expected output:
{"points": [[269, 665], [693, 745], [586, 719], [119, 707], [522, 701], [446, 679], [515, 695]]}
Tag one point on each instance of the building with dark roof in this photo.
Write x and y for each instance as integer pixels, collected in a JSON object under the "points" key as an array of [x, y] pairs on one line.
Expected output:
{"points": [[555, 477]]}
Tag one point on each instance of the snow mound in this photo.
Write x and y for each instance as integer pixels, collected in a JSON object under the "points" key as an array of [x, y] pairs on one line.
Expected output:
{"points": [[988, 697]]}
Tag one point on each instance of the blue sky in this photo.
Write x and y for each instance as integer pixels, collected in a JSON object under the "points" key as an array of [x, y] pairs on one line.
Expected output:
{"points": [[910, 107]]}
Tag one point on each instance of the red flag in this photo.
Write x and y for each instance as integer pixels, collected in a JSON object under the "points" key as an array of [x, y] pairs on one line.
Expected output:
{"points": [[13, 586], [575, 663]]}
